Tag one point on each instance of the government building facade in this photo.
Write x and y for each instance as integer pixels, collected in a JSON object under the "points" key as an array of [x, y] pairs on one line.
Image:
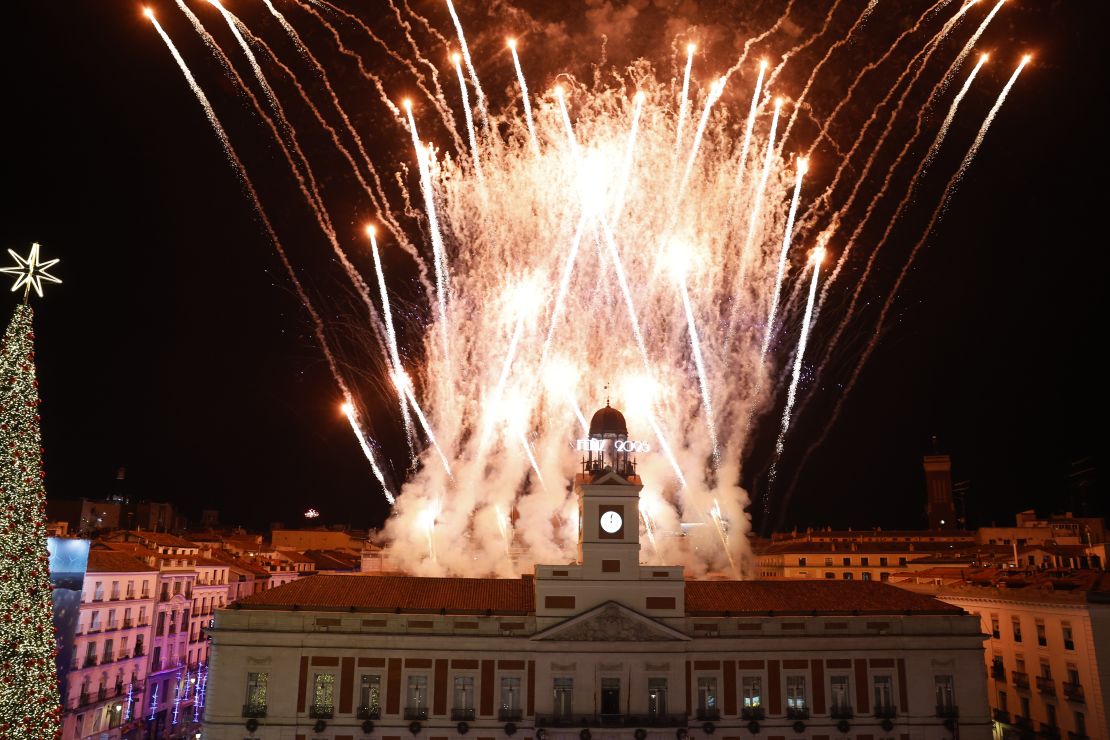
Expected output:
{"points": [[604, 648]]}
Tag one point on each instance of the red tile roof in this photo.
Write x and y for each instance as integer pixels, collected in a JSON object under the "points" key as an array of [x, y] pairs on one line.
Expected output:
{"points": [[407, 593], [163, 539], [791, 596], [110, 561], [516, 596]]}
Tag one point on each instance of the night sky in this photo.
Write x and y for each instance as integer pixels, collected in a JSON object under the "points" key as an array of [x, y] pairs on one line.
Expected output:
{"points": [[176, 348]]}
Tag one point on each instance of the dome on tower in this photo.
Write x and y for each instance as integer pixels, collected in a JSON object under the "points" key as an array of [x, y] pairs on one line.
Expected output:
{"points": [[608, 421]]}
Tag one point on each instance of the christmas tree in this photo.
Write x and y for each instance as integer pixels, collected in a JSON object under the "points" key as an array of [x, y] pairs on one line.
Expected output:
{"points": [[29, 704]]}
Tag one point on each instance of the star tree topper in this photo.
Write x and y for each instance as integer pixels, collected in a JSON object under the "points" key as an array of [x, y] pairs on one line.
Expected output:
{"points": [[30, 272]]}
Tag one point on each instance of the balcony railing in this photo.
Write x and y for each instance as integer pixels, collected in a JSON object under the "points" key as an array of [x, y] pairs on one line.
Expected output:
{"points": [[840, 711], [1001, 715], [254, 710], [998, 672], [90, 661], [508, 714], [948, 711], [1021, 679], [138, 650], [321, 711], [128, 623], [370, 711], [1023, 722], [611, 720], [886, 711], [1074, 692], [416, 713], [797, 712], [462, 714], [1046, 685], [102, 693], [708, 714], [1048, 730], [1076, 736], [752, 713], [83, 699]]}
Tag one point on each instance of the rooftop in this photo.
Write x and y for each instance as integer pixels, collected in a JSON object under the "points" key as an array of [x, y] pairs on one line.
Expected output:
{"points": [[1047, 586], [112, 561], [516, 596]]}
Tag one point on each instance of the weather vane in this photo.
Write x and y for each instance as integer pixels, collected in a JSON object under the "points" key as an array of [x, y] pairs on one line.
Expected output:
{"points": [[30, 272]]}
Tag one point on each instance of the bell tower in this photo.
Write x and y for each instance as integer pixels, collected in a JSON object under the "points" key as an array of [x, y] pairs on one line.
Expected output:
{"points": [[608, 567], [608, 490]]}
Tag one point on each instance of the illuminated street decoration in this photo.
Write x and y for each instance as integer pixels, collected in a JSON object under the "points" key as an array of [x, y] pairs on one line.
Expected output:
{"points": [[30, 271]]}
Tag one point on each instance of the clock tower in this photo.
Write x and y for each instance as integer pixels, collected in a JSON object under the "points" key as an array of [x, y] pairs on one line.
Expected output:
{"points": [[608, 567]]}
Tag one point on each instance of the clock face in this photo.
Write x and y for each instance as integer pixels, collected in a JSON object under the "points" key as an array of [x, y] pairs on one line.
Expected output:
{"points": [[611, 521]]}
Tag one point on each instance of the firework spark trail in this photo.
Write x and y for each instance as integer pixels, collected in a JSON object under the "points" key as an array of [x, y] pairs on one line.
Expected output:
{"points": [[469, 118], [684, 105], [524, 97], [564, 286], [406, 27], [375, 193], [531, 456], [312, 192], [495, 412], [406, 385], [439, 253], [817, 68], [769, 327], [629, 154], [699, 363], [891, 222], [560, 95], [756, 39], [714, 95], [436, 97], [791, 394], [921, 60], [753, 218], [869, 67], [810, 40], [248, 185], [943, 84], [391, 334], [479, 94], [428, 27], [945, 198], [349, 411], [749, 127]]}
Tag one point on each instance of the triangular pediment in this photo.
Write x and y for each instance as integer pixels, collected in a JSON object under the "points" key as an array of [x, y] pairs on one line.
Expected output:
{"points": [[610, 622]]}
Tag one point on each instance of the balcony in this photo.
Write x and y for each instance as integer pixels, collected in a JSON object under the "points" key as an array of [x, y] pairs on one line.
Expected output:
{"points": [[1076, 736], [1074, 692], [1046, 685], [1069, 645], [462, 714], [416, 713], [752, 713], [509, 714], [102, 693], [1050, 731], [841, 711], [611, 720], [797, 712], [114, 597], [90, 661], [948, 711], [128, 623], [1021, 679], [1001, 715], [321, 711], [373, 711], [254, 710], [1023, 722], [886, 711], [709, 714], [83, 699], [138, 650], [998, 672]]}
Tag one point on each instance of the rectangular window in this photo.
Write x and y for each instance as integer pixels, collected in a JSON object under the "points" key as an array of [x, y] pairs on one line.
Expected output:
{"points": [[839, 694], [418, 692], [111, 619], [610, 696], [130, 589], [751, 687], [995, 632], [98, 591], [657, 697], [107, 651], [847, 561], [1002, 706], [883, 693], [882, 562], [884, 577], [707, 698], [1042, 636], [323, 693], [830, 575], [94, 622], [828, 561], [1025, 707], [946, 692], [464, 692], [370, 695], [115, 590], [801, 561], [564, 694], [796, 696], [1080, 724], [865, 561], [257, 685], [1016, 625], [867, 575], [1069, 642], [510, 697], [1051, 708], [847, 576]]}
